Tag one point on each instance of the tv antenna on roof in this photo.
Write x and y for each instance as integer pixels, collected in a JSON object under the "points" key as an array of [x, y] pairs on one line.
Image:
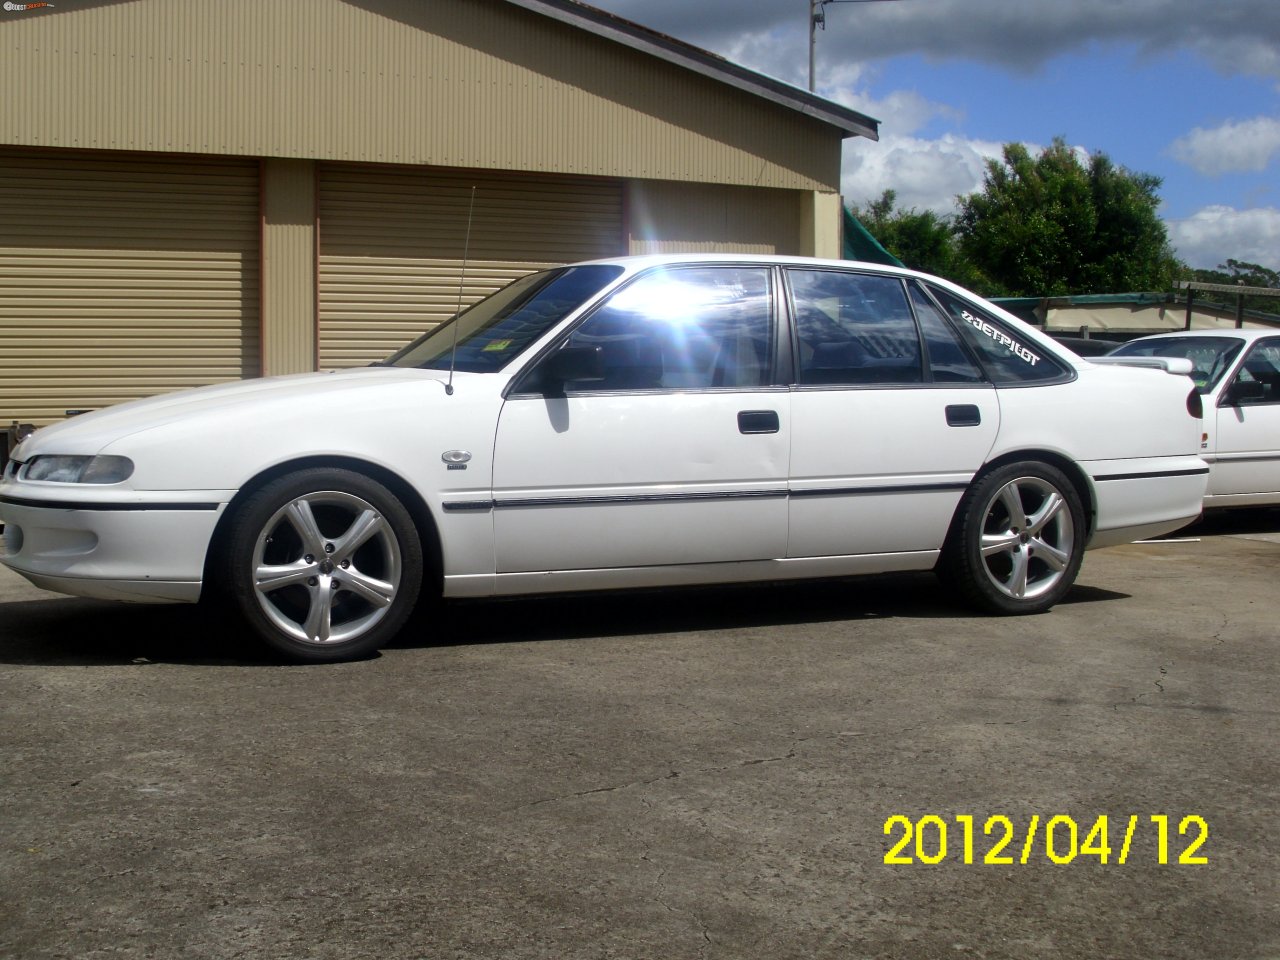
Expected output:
{"points": [[462, 278], [818, 18]]}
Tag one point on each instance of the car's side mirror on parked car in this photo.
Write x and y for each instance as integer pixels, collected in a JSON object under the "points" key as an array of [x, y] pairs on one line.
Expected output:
{"points": [[572, 364], [1245, 391]]}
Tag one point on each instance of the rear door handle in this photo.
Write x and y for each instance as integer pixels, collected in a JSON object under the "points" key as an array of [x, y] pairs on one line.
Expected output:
{"points": [[758, 421], [963, 415]]}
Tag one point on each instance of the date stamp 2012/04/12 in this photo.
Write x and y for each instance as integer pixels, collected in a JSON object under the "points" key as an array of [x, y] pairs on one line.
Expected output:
{"points": [[1058, 839]]}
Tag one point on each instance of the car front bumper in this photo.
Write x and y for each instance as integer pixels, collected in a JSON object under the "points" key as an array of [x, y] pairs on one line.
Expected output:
{"points": [[131, 546]]}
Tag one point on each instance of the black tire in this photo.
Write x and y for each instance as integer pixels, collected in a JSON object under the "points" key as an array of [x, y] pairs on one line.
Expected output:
{"points": [[1017, 539], [323, 564]]}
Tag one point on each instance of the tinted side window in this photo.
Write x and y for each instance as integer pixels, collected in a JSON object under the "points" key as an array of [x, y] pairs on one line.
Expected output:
{"points": [[854, 329], [683, 328], [949, 361], [1262, 364], [1007, 358]]}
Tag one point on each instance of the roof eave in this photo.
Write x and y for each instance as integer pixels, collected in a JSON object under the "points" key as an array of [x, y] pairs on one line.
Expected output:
{"points": [[851, 123]]}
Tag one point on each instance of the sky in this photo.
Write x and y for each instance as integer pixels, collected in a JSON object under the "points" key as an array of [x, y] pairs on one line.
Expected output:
{"points": [[1187, 90]]}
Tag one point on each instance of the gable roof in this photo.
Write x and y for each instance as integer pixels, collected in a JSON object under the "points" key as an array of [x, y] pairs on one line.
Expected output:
{"points": [[851, 123]]}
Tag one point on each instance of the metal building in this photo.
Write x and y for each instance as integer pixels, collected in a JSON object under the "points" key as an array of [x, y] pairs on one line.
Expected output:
{"points": [[205, 190]]}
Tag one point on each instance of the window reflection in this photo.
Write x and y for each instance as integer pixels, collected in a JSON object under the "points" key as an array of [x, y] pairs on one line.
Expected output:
{"points": [[681, 329]]}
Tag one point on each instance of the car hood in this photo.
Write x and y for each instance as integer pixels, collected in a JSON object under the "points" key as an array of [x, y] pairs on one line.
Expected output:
{"points": [[90, 433]]}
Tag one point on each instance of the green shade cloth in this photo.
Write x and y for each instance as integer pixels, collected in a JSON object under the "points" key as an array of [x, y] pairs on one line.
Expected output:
{"points": [[861, 245]]}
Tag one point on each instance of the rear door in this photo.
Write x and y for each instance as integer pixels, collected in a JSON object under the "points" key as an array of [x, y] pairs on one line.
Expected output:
{"points": [[892, 416]]}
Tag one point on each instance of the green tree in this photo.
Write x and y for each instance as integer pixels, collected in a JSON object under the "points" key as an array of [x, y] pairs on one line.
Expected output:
{"points": [[1050, 225], [923, 240]]}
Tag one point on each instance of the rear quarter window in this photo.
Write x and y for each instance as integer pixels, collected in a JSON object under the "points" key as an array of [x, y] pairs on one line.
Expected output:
{"points": [[1008, 357]]}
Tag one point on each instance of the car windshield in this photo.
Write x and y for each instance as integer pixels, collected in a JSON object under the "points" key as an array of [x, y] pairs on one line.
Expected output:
{"points": [[494, 331], [1210, 356]]}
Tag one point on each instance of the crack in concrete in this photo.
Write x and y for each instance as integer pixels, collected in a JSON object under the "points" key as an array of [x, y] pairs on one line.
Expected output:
{"points": [[1164, 672], [1226, 622], [660, 882], [670, 775], [1159, 685], [791, 755]]}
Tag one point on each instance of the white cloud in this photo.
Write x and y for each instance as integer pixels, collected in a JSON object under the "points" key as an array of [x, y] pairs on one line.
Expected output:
{"points": [[925, 174], [1213, 234], [1235, 147], [760, 50], [909, 111]]}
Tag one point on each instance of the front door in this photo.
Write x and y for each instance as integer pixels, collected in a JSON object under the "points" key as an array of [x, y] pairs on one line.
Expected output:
{"points": [[678, 456], [1247, 441]]}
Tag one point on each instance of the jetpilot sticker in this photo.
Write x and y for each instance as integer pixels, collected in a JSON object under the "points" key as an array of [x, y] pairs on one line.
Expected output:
{"points": [[1000, 337]]}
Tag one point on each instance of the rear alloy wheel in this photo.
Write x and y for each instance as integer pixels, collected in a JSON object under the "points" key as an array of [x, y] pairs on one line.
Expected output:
{"points": [[1018, 539], [325, 564]]}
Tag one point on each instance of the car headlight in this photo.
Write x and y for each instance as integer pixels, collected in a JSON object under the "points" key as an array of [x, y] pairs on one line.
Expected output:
{"points": [[60, 469]]}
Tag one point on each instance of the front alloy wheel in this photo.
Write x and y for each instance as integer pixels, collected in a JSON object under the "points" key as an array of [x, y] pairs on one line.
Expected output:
{"points": [[1017, 540], [325, 564]]}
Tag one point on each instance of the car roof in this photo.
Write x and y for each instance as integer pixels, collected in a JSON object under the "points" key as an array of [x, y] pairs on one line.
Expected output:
{"points": [[642, 260], [1245, 333]]}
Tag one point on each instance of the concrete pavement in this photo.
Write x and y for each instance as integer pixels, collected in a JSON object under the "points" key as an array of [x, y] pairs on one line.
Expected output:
{"points": [[707, 773]]}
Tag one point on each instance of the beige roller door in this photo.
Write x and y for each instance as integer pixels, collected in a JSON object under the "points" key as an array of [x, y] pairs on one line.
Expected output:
{"points": [[391, 243], [123, 276]]}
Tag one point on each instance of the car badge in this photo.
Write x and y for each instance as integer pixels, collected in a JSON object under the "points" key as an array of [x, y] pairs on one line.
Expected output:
{"points": [[456, 459]]}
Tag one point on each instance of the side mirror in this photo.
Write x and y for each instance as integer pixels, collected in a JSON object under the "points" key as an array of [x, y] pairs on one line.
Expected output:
{"points": [[1245, 391], [572, 363]]}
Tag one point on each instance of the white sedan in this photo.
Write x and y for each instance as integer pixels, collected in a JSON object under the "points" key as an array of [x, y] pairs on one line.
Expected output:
{"points": [[1238, 373], [636, 422]]}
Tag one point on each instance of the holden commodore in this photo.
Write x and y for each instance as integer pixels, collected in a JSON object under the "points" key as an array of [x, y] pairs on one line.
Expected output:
{"points": [[638, 422], [1238, 374]]}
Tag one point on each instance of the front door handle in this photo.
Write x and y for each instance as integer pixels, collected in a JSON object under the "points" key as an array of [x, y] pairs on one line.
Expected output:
{"points": [[758, 421], [963, 415]]}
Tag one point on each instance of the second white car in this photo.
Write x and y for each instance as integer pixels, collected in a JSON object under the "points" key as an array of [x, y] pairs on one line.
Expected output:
{"points": [[1238, 374]]}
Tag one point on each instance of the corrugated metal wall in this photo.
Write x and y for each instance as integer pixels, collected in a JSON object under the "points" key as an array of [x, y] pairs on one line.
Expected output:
{"points": [[450, 83], [391, 244], [670, 217], [134, 272], [123, 276]]}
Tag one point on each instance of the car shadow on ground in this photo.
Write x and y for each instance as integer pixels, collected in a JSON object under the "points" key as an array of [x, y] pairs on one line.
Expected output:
{"points": [[645, 612], [73, 632], [1233, 522], [95, 633]]}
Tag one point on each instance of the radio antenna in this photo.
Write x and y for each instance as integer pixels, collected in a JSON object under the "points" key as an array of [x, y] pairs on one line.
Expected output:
{"points": [[462, 279]]}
